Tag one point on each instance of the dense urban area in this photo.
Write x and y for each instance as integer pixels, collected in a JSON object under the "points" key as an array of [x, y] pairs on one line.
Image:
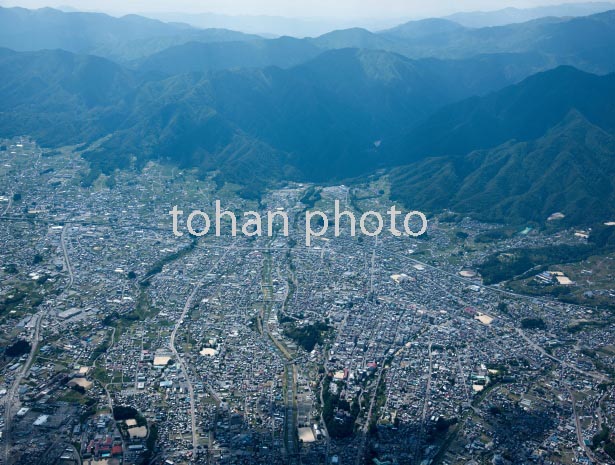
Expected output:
{"points": [[124, 344]]}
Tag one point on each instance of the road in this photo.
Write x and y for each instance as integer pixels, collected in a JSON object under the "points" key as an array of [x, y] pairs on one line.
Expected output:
{"points": [[579, 430], [15, 386], [372, 268], [373, 400], [425, 404], [463, 376], [368, 419], [535, 346], [532, 344], [542, 300], [8, 206], [290, 440], [182, 364], [322, 419], [10, 397], [69, 268], [291, 445]]}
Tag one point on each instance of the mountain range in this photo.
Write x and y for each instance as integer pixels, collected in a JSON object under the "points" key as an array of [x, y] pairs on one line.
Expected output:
{"points": [[520, 15], [583, 42], [126, 38], [272, 26], [452, 114], [569, 169]]}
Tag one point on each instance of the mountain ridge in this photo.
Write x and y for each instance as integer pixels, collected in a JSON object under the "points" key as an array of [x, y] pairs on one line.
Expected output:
{"points": [[326, 115], [569, 169], [121, 39], [475, 123]]}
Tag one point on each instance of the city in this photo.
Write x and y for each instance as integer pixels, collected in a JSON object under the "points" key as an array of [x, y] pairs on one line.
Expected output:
{"points": [[124, 343]]}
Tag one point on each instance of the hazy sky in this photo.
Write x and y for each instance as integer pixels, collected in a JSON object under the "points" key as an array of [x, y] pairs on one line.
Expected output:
{"points": [[292, 8]]}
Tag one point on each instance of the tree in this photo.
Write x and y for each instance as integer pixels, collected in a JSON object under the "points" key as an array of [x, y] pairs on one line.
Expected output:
{"points": [[18, 349]]}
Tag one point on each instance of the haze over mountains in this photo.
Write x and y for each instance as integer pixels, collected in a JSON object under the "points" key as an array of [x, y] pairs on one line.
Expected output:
{"points": [[122, 38], [268, 25], [455, 112], [271, 26], [520, 15]]}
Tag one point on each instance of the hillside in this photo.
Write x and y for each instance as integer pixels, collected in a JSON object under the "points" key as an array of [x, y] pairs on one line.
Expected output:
{"points": [[61, 97], [328, 112], [198, 56], [259, 111], [570, 169], [522, 111]]}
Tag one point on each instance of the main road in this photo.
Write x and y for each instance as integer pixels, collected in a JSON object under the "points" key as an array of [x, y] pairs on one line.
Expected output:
{"points": [[425, 404], [39, 316], [530, 343], [8, 410], [579, 431], [182, 364], [291, 445], [8, 205], [69, 268]]}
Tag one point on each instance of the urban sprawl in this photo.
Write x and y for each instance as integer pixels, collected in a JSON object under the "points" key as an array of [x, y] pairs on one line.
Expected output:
{"points": [[122, 343]]}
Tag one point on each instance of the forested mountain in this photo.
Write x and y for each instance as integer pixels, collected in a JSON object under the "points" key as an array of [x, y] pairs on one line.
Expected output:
{"points": [[523, 111], [583, 42], [570, 169], [258, 111], [123, 39]]}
